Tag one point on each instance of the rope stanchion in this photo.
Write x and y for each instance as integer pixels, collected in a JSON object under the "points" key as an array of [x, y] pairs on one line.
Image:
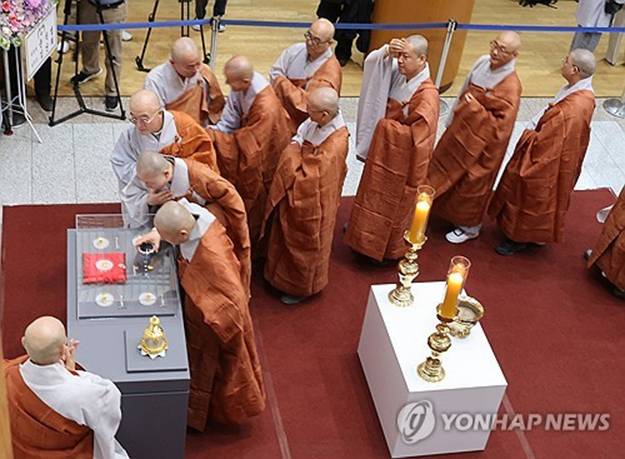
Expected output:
{"points": [[213, 50], [616, 107], [451, 28]]}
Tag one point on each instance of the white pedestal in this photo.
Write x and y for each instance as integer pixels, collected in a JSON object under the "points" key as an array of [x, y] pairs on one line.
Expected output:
{"points": [[393, 343]]}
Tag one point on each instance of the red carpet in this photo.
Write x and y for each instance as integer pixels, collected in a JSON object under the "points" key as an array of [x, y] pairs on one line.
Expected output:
{"points": [[554, 326]]}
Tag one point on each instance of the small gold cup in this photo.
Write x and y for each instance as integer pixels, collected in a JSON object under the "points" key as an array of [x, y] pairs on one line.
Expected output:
{"points": [[153, 342], [470, 312]]}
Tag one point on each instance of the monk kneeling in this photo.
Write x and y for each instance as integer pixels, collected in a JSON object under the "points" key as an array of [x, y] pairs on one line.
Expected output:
{"points": [[226, 380], [56, 410], [304, 198]]}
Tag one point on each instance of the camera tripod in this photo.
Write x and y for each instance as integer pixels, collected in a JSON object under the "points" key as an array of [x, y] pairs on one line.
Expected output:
{"points": [[82, 108], [185, 15]]}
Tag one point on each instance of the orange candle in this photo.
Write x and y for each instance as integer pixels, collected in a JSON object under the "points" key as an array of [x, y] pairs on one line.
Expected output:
{"points": [[419, 222], [455, 280]]}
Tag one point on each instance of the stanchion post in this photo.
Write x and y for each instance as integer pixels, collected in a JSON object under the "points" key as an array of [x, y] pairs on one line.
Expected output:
{"points": [[214, 32], [451, 28], [616, 107]]}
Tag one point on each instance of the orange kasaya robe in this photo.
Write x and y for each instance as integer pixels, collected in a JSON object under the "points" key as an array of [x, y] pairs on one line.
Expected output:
{"points": [[226, 378], [292, 92], [305, 194], [192, 142], [533, 196], [467, 158], [396, 164], [37, 431], [608, 253], [248, 157], [204, 103]]}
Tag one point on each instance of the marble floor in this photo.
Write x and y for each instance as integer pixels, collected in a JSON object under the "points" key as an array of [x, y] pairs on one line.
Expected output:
{"points": [[72, 163]]}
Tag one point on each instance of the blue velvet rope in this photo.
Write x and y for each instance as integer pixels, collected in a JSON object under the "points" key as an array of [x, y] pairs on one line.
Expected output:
{"points": [[340, 26]]}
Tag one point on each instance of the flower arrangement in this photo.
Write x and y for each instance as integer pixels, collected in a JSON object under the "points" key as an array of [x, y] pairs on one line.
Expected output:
{"points": [[18, 17]]}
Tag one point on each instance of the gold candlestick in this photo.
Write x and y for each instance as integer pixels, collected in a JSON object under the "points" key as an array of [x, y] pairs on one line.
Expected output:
{"points": [[401, 295], [432, 369]]}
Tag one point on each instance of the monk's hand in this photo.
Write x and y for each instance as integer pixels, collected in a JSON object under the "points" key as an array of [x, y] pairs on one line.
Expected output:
{"points": [[69, 354], [153, 237], [396, 47], [157, 198], [468, 97]]}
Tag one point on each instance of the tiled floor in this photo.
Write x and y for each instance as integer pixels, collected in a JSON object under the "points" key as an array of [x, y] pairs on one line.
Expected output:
{"points": [[72, 164]]}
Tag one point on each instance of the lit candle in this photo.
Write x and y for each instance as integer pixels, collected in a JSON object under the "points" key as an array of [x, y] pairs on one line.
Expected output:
{"points": [[419, 221], [449, 308]]}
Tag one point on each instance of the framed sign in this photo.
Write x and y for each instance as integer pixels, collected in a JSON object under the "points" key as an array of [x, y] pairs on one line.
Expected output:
{"points": [[40, 43]]}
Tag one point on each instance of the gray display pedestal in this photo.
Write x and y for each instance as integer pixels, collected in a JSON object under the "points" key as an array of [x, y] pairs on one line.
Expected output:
{"points": [[154, 391]]}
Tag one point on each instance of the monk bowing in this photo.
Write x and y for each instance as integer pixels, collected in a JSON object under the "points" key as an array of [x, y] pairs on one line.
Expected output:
{"points": [[466, 160], [252, 132], [304, 198], [532, 199], [608, 253], [303, 67], [56, 409], [397, 121], [157, 129], [185, 84], [226, 377]]}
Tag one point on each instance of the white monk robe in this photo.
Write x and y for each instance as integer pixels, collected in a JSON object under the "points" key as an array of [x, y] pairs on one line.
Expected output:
{"points": [[483, 76], [382, 81], [202, 223], [134, 196], [293, 63], [86, 399], [132, 143], [238, 105]]}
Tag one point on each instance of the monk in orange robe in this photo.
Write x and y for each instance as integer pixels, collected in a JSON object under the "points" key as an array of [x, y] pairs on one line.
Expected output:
{"points": [[185, 84], [397, 121], [156, 129], [56, 409], [249, 138], [466, 160], [226, 377], [304, 198], [609, 251], [532, 199], [304, 67]]}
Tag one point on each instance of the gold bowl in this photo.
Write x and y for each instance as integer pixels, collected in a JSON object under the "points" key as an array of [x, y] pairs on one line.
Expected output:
{"points": [[470, 312]]}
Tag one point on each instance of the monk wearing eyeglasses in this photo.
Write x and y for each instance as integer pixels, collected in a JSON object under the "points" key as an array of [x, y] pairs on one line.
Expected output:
{"points": [[157, 129], [304, 67], [468, 156]]}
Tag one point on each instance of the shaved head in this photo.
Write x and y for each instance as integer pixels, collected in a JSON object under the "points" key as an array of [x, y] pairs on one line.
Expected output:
{"points": [[324, 99], [150, 164], [239, 68], [419, 44], [504, 49], [144, 101], [323, 29], [174, 222], [184, 49], [584, 60], [44, 339], [511, 40]]}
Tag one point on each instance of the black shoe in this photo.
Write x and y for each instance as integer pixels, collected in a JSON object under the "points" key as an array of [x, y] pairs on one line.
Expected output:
{"points": [[617, 292], [18, 118], [509, 247], [343, 61], [45, 101], [292, 299], [110, 102], [587, 254], [83, 77]]}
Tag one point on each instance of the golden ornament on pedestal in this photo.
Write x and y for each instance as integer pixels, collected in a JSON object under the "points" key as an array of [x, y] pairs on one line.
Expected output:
{"points": [[153, 342], [470, 312]]}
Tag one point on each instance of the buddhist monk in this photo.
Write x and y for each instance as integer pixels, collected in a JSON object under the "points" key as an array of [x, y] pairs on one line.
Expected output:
{"points": [[156, 129], [57, 410], [187, 85], [303, 67], [226, 380], [397, 122], [304, 198], [186, 177], [532, 199], [609, 251], [466, 160], [252, 132]]}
